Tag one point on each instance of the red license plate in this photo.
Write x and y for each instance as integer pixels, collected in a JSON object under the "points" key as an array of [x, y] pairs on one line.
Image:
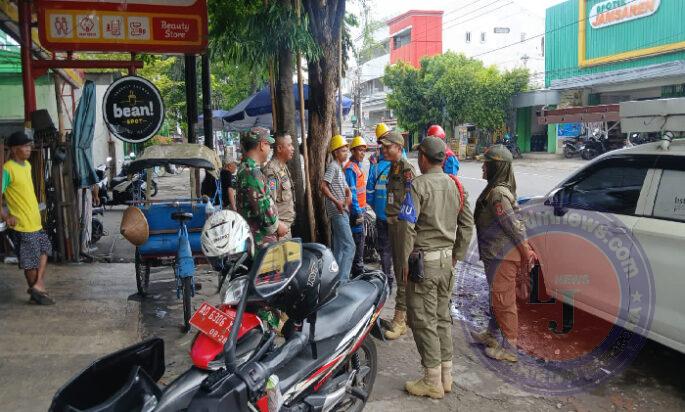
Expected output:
{"points": [[213, 322]]}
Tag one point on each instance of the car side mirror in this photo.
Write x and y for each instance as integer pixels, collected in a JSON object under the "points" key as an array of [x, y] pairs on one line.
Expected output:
{"points": [[555, 199]]}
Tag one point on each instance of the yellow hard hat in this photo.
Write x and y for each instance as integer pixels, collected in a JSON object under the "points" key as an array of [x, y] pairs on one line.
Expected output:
{"points": [[357, 142], [336, 143], [381, 129]]}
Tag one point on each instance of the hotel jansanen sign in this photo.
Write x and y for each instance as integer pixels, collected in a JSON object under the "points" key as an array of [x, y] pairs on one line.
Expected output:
{"points": [[611, 12]]}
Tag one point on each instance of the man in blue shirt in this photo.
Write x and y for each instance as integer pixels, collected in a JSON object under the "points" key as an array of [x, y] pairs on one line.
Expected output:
{"points": [[377, 197], [451, 163]]}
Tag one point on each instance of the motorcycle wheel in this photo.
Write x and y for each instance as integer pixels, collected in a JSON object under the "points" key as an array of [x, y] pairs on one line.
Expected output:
{"points": [[568, 153], [187, 292], [366, 357], [97, 231], [142, 275]]}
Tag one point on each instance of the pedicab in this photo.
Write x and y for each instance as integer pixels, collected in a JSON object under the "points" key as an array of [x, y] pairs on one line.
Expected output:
{"points": [[167, 232]]}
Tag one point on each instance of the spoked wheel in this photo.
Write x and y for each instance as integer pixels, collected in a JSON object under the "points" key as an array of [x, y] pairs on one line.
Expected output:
{"points": [[142, 274], [187, 292], [365, 362]]}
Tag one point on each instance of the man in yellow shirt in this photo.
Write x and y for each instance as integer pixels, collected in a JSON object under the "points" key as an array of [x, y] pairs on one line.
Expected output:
{"points": [[31, 242]]}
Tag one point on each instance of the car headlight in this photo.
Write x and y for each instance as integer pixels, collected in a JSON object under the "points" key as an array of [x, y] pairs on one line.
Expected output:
{"points": [[235, 290]]}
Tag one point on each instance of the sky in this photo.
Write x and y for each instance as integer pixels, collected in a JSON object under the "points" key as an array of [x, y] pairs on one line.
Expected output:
{"points": [[388, 8]]}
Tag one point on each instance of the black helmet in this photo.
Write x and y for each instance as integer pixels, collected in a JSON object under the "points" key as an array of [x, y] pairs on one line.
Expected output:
{"points": [[312, 286]]}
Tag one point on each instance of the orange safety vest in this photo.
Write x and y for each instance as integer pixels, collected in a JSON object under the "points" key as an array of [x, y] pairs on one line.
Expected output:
{"points": [[361, 182]]}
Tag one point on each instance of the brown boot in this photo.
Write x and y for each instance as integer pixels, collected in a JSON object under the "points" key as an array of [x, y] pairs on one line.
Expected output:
{"points": [[430, 385], [398, 326], [447, 376], [485, 338], [500, 353]]}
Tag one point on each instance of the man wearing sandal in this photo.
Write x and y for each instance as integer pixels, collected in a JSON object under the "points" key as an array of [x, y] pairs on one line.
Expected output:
{"points": [[31, 242]]}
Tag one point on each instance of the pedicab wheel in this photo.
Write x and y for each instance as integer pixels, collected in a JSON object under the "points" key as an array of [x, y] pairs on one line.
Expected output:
{"points": [[142, 275], [187, 285]]}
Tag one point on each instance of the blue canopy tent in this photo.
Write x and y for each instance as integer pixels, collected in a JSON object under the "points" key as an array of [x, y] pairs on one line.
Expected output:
{"points": [[256, 109]]}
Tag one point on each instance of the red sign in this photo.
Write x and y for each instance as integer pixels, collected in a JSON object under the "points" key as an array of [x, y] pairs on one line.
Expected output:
{"points": [[145, 26], [213, 322]]}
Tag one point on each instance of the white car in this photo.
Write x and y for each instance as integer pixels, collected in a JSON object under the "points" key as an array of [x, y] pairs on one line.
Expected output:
{"points": [[642, 189]]}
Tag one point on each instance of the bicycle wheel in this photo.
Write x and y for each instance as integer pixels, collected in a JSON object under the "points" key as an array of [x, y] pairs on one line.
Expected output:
{"points": [[142, 275], [187, 286]]}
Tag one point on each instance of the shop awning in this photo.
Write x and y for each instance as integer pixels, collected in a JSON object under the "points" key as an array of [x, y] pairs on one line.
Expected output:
{"points": [[586, 114]]}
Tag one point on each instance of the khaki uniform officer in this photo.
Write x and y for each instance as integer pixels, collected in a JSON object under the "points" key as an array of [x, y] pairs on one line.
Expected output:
{"points": [[280, 182], [400, 177], [429, 227]]}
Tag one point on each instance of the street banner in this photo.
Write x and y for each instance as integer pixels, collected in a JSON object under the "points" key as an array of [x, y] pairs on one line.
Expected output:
{"points": [[133, 109], [143, 26]]}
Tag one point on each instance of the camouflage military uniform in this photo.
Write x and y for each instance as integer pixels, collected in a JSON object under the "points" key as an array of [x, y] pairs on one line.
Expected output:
{"points": [[254, 202], [281, 187]]}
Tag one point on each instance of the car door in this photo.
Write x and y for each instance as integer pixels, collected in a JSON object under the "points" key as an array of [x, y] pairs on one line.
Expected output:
{"points": [[661, 233], [605, 198]]}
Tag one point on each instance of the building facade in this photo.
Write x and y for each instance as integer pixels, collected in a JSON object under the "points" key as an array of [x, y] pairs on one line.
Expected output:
{"points": [[603, 52]]}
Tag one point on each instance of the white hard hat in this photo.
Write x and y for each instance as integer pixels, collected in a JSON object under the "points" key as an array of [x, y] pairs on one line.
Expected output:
{"points": [[226, 233]]}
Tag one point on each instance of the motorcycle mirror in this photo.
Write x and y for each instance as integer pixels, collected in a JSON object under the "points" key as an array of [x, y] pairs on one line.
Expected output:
{"points": [[276, 265]]}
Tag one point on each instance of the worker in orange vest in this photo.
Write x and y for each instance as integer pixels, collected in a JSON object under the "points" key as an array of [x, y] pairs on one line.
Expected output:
{"points": [[356, 180]]}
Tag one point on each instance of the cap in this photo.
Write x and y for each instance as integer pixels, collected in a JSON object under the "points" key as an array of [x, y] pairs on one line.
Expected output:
{"points": [[498, 152], [434, 148], [18, 139], [393, 138], [258, 133]]}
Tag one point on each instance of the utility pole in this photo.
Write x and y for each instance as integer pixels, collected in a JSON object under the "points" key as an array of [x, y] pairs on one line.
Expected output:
{"points": [[207, 119]]}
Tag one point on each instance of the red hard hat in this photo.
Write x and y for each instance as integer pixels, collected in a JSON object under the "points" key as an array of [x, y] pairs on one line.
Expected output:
{"points": [[436, 131]]}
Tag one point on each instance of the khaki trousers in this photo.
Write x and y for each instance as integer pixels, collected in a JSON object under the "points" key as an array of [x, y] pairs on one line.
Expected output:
{"points": [[394, 233]]}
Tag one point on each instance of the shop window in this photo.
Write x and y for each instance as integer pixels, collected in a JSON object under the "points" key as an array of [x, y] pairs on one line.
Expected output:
{"points": [[468, 37], [594, 99], [402, 39], [675, 90]]}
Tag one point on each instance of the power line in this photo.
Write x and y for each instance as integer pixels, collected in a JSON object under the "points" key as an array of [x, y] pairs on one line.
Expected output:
{"points": [[456, 22], [540, 35]]}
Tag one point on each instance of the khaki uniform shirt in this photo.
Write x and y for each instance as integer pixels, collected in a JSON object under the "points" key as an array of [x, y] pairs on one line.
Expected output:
{"points": [[499, 229], [401, 172], [281, 186], [435, 198]]}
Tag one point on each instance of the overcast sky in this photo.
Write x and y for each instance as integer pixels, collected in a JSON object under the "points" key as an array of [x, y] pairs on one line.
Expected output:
{"points": [[389, 8]]}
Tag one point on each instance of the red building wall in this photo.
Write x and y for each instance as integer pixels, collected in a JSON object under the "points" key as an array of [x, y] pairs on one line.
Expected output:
{"points": [[426, 36]]}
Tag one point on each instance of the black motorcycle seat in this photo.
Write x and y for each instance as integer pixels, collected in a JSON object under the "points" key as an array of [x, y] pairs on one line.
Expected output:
{"points": [[182, 216], [342, 313]]}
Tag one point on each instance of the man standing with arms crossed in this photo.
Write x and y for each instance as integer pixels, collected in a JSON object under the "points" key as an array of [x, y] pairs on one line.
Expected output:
{"points": [[401, 175], [32, 243], [429, 242], [280, 181], [253, 196]]}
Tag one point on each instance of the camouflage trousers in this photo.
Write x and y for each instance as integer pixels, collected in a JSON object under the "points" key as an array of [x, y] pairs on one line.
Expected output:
{"points": [[428, 311]]}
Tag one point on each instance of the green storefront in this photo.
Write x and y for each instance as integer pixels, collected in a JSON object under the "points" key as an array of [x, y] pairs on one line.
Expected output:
{"points": [[603, 52]]}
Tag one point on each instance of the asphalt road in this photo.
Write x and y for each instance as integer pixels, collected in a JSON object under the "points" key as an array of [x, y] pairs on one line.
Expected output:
{"points": [[98, 312]]}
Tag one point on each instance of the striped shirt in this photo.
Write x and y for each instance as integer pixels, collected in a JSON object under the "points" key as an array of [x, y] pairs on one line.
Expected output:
{"points": [[335, 177]]}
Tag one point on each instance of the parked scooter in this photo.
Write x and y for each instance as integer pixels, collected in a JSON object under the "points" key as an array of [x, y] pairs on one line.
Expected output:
{"points": [[573, 147], [596, 145], [511, 144], [326, 363]]}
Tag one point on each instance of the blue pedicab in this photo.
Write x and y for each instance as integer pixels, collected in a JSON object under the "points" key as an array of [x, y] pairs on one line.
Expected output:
{"points": [[174, 226]]}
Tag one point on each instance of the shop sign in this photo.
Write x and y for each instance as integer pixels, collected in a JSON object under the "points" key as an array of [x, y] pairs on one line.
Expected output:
{"points": [[133, 109], [148, 26], [611, 12]]}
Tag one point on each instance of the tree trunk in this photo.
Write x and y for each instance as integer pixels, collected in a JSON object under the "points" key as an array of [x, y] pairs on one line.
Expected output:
{"points": [[325, 20]]}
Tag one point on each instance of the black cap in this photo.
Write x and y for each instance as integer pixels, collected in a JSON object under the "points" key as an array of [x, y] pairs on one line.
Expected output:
{"points": [[18, 138]]}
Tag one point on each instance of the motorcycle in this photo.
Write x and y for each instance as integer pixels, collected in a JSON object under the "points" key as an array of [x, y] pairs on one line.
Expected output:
{"points": [[327, 361], [573, 147], [125, 187], [511, 144], [596, 145]]}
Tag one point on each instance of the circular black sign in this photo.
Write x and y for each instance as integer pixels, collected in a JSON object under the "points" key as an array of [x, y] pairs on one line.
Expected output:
{"points": [[133, 109]]}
